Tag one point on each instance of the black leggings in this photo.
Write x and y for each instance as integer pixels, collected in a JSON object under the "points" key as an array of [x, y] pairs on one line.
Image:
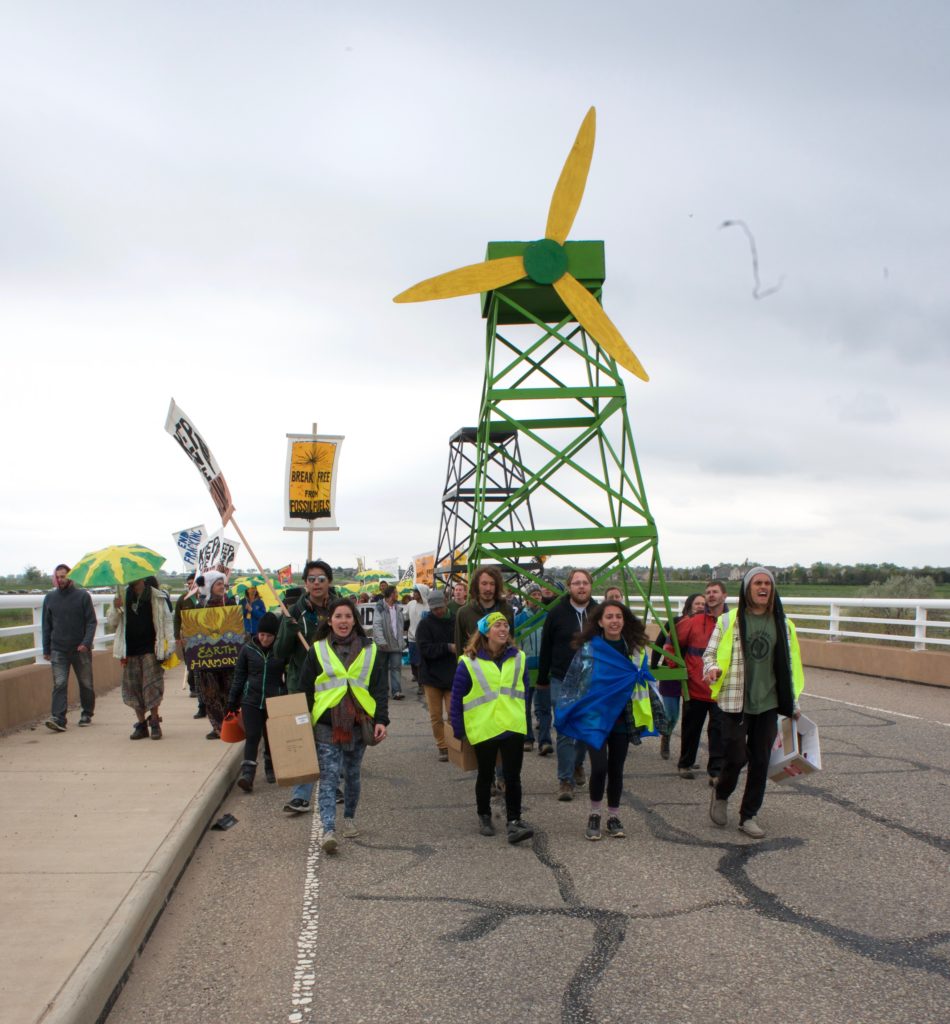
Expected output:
{"points": [[511, 747], [606, 766], [254, 718]]}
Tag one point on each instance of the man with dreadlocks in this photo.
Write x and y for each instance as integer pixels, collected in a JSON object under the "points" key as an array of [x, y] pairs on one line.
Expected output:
{"points": [[754, 668]]}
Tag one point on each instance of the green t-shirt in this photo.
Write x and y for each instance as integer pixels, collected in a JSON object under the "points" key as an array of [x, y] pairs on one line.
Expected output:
{"points": [[761, 693]]}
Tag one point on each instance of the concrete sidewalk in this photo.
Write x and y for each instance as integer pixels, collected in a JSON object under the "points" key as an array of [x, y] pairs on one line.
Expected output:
{"points": [[94, 832]]}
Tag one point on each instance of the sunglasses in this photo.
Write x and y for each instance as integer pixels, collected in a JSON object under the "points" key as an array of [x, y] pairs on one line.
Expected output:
{"points": [[316, 579]]}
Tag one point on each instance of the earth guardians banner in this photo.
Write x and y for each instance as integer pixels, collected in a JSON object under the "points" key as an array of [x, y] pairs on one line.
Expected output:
{"points": [[212, 637], [310, 483]]}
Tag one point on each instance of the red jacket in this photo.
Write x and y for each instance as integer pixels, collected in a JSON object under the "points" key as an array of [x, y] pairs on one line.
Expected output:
{"points": [[693, 634]]}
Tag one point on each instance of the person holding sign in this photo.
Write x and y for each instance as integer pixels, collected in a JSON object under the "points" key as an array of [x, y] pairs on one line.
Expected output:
{"points": [[214, 684], [347, 690]]}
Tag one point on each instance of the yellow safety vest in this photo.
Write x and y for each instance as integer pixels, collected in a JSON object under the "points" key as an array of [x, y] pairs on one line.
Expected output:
{"points": [[330, 686], [496, 701], [724, 655], [640, 703]]}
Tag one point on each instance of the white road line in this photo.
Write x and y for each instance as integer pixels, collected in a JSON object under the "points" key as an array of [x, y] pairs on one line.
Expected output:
{"points": [[305, 971], [869, 707]]}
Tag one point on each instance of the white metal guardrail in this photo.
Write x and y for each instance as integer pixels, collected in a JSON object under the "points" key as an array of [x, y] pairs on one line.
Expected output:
{"points": [[837, 618], [34, 604]]}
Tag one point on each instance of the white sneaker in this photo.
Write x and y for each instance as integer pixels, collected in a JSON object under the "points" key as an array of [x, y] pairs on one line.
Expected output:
{"points": [[350, 831], [751, 828], [329, 843]]}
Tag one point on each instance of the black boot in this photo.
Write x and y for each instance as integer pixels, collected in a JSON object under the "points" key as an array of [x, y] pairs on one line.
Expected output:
{"points": [[665, 747], [269, 769], [246, 779], [485, 827]]}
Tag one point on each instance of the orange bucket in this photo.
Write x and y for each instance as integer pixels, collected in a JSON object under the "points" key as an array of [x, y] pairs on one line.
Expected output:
{"points": [[232, 729]]}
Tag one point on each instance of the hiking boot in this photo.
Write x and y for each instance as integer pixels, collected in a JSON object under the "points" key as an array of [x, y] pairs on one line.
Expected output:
{"points": [[155, 727], [55, 725], [350, 831], [329, 843], [580, 776], [686, 773], [269, 771], [85, 718], [544, 749], [615, 828], [593, 827], [751, 828], [139, 731], [665, 747], [297, 806], [519, 831], [443, 755], [565, 791], [200, 713], [528, 746], [212, 736], [485, 827], [717, 810], [246, 779]]}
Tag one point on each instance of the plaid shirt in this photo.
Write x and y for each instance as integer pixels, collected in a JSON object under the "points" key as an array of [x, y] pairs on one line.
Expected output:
{"points": [[731, 696]]}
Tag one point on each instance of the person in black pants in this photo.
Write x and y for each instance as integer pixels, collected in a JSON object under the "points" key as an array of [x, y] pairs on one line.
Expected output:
{"points": [[602, 677], [258, 674]]}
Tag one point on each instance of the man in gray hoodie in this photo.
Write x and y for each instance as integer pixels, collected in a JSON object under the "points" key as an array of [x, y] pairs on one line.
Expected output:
{"points": [[69, 625]]}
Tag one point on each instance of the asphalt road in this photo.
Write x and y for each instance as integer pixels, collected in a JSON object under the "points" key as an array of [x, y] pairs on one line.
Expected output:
{"points": [[841, 914]]}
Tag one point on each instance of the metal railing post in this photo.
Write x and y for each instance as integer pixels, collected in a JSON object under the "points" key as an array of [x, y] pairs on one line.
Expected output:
{"points": [[920, 629], [834, 622]]}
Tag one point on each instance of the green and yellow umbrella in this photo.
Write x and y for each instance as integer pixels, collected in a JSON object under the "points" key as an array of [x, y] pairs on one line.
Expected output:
{"points": [[269, 588], [372, 574], [116, 566]]}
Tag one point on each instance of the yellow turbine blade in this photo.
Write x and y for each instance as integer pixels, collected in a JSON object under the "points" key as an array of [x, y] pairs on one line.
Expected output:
{"points": [[570, 186], [591, 316], [477, 277]]}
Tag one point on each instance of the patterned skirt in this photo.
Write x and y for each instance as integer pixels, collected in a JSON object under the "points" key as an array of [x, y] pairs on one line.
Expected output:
{"points": [[143, 682]]}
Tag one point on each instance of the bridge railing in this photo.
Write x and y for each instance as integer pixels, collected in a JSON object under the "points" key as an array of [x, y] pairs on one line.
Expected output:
{"points": [[33, 603], [914, 624]]}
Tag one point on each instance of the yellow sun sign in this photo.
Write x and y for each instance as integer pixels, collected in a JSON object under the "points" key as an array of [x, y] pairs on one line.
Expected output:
{"points": [[311, 482]]}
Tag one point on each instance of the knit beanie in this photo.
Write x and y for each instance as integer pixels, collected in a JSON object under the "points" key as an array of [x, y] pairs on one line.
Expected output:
{"points": [[269, 624], [747, 579]]}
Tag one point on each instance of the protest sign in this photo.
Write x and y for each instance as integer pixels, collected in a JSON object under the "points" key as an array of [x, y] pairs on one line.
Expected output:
{"points": [[425, 568], [188, 541], [310, 484], [212, 637], [193, 445], [216, 550], [285, 575], [389, 567]]}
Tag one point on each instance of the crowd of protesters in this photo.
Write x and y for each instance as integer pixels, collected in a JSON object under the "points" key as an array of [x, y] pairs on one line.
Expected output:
{"points": [[553, 670]]}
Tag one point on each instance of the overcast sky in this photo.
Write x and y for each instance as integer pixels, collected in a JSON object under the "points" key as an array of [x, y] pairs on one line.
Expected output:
{"points": [[218, 200]]}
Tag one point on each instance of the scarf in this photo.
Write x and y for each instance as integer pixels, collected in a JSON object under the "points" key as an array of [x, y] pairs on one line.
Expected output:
{"points": [[347, 712]]}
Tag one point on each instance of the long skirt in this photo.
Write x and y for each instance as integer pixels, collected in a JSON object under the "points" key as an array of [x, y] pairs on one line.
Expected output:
{"points": [[214, 688], [143, 682]]}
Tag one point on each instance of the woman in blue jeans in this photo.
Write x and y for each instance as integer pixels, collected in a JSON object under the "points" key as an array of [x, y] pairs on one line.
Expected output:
{"points": [[346, 687]]}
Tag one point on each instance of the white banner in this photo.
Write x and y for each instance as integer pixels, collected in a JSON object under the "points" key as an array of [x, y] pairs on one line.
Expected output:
{"points": [[193, 445], [389, 566], [188, 541], [216, 551]]}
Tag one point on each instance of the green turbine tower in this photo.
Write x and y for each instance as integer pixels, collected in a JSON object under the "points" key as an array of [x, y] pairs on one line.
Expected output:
{"points": [[552, 375]]}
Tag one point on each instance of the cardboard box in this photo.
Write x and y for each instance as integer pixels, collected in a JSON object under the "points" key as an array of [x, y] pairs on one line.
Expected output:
{"points": [[293, 750], [797, 750], [461, 752]]}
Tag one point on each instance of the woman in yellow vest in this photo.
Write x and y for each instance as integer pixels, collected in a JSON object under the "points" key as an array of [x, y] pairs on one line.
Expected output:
{"points": [[605, 702], [346, 687], [488, 708], [754, 669]]}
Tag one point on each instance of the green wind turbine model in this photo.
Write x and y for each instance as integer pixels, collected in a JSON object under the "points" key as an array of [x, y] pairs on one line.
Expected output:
{"points": [[553, 377]]}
